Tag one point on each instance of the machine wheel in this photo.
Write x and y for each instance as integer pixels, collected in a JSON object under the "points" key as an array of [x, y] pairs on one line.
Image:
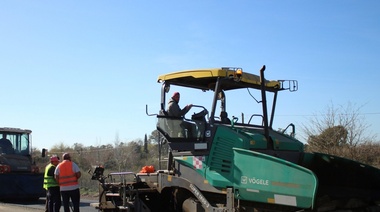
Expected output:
{"points": [[180, 195], [191, 205]]}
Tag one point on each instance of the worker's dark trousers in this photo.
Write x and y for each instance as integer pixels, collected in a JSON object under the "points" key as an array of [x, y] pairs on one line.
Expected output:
{"points": [[74, 195], [53, 197]]}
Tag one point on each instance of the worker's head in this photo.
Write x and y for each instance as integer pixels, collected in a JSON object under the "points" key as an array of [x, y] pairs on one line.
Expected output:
{"points": [[66, 156], [54, 159], [176, 96], [223, 114]]}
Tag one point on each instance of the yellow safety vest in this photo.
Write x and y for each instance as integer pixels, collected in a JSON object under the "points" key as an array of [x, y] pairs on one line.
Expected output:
{"points": [[49, 181]]}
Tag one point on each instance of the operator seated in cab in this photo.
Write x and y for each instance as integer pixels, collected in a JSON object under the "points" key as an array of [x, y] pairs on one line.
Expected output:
{"points": [[174, 110], [224, 117], [6, 146]]}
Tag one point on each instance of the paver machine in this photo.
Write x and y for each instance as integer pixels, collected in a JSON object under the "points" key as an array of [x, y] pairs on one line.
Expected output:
{"points": [[20, 178], [237, 163]]}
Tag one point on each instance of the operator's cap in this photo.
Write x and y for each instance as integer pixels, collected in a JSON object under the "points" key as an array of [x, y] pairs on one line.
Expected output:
{"points": [[54, 159], [175, 94]]}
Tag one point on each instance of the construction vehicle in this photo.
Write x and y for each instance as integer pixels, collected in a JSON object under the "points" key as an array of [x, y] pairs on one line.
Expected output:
{"points": [[216, 163], [20, 178]]}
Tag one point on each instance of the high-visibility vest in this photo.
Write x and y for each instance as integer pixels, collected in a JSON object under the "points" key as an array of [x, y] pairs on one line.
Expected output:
{"points": [[49, 181], [66, 174]]}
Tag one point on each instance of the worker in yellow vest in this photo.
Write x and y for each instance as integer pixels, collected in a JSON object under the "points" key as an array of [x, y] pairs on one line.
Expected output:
{"points": [[53, 195], [67, 174]]}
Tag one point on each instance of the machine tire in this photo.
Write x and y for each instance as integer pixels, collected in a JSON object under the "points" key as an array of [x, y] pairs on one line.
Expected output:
{"points": [[180, 195], [191, 205]]}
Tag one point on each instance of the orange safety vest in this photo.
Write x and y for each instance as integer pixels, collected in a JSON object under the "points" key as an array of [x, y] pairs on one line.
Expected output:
{"points": [[66, 174]]}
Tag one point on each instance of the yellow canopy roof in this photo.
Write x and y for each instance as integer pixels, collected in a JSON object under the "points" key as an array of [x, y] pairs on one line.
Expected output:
{"points": [[205, 79]]}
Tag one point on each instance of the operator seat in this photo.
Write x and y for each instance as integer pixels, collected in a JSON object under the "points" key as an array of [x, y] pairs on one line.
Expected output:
{"points": [[171, 125], [6, 146]]}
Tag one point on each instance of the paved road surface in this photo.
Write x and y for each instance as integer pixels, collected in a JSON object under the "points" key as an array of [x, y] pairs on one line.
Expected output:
{"points": [[12, 208], [39, 206]]}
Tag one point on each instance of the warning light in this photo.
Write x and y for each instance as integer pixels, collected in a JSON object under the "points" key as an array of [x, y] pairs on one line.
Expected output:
{"points": [[239, 72]]}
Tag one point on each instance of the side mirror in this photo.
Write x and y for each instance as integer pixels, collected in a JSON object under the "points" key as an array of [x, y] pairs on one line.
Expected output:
{"points": [[44, 152]]}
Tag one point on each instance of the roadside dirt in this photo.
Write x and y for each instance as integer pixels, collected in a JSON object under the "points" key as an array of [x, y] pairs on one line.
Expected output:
{"points": [[90, 197]]}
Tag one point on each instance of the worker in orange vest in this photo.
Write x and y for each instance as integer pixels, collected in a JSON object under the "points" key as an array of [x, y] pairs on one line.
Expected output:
{"points": [[67, 174]]}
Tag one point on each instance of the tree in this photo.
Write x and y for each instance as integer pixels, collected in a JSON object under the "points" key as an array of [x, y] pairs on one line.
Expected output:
{"points": [[117, 157], [329, 139], [161, 146], [339, 132], [146, 144]]}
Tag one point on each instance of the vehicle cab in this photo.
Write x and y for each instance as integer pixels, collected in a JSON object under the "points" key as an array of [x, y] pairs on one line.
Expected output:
{"points": [[197, 132]]}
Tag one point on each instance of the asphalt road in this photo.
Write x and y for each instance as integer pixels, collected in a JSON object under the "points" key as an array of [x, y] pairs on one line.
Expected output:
{"points": [[38, 206]]}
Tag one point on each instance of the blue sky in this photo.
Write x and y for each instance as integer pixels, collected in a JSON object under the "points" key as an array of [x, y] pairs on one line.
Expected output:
{"points": [[83, 71]]}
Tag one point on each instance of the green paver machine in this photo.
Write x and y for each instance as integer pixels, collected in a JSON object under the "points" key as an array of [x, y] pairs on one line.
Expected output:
{"points": [[219, 163]]}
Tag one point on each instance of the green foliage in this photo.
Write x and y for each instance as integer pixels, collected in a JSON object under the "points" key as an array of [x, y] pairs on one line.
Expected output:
{"points": [[117, 157], [330, 138], [341, 131]]}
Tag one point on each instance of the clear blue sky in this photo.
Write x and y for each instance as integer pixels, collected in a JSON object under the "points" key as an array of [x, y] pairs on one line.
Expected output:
{"points": [[83, 71]]}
